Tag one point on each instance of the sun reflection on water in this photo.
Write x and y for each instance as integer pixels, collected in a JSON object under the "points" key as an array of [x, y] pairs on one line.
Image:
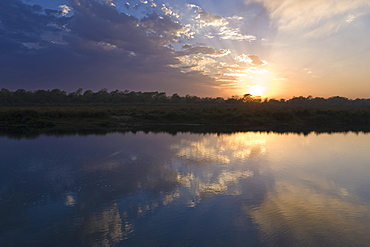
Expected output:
{"points": [[305, 216], [215, 164], [221, 148]]}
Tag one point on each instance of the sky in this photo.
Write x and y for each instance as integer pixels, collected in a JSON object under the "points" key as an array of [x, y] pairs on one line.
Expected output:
{"points": [[271, 48]]}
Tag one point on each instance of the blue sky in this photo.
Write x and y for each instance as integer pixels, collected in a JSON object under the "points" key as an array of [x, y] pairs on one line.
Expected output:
{"points": [[279, 48]]}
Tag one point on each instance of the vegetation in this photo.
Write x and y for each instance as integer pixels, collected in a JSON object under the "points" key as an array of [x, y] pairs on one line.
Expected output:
{"points": [[57, 110], [103, 97]]}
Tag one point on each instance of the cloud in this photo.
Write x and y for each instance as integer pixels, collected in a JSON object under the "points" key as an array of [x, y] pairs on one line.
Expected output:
{"points": [[65, 9], [216, 26], [235, 17], [23, 23], [315, 17], [237, 75], [96, 46], [198, 63], [207, 19], [234, 34], [188, 49], [252, 60], [169, 11], [200, 58]]}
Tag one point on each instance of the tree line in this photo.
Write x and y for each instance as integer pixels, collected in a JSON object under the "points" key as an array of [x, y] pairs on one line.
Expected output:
{"points": [[59, 97]]}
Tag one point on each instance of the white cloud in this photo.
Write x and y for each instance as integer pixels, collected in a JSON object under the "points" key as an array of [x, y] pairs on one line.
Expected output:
{"points": [[214, 26], [65, 9], [168, 11], [207, 19], [250, 60], [199, 63], [193, 6], [110, 2], [235, 17], [234, 34]]}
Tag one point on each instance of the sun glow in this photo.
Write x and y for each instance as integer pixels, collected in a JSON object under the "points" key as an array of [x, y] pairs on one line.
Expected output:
{"points": [[256, 90]]}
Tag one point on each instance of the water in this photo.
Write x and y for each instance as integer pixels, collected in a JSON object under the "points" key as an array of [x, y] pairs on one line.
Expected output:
{"points": [[241, 189]]}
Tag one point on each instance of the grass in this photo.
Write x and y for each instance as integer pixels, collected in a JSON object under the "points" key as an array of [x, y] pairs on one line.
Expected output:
{"points": [[258, 117]]}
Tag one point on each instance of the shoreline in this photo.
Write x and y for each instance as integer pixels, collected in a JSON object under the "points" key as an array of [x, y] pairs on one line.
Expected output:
{"points": [[172, 119]]}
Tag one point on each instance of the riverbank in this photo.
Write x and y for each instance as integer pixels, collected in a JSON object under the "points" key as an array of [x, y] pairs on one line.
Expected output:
{"points": [[173, 118]]}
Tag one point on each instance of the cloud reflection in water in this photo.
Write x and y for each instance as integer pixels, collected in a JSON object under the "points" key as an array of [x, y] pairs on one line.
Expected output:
{"points": [[157, 189]]}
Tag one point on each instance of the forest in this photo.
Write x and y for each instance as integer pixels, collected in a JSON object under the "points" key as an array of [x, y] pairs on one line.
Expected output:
{"points": [[103, 97], [103, 111]]}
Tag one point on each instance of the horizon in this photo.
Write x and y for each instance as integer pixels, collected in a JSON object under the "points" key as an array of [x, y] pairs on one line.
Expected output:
{"points": [[81, 92], [275, 50]]}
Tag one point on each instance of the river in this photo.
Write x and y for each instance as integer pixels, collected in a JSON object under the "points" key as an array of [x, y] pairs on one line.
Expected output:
{"points": [[186, 189]]}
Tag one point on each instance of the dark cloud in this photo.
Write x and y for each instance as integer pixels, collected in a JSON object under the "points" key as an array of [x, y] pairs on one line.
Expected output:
{"points": [[22, 23], [188, 49], [96, 47]]}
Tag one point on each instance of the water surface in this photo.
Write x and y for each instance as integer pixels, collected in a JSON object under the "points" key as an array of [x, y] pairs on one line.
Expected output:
{"points": [[147, 189]]}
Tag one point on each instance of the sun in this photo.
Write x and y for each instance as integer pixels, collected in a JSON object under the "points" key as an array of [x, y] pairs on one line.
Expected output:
{"points": [[256, 90]]}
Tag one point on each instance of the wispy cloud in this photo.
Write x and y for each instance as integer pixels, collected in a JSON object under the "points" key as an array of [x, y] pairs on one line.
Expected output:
{"points": [[314, 17]]}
